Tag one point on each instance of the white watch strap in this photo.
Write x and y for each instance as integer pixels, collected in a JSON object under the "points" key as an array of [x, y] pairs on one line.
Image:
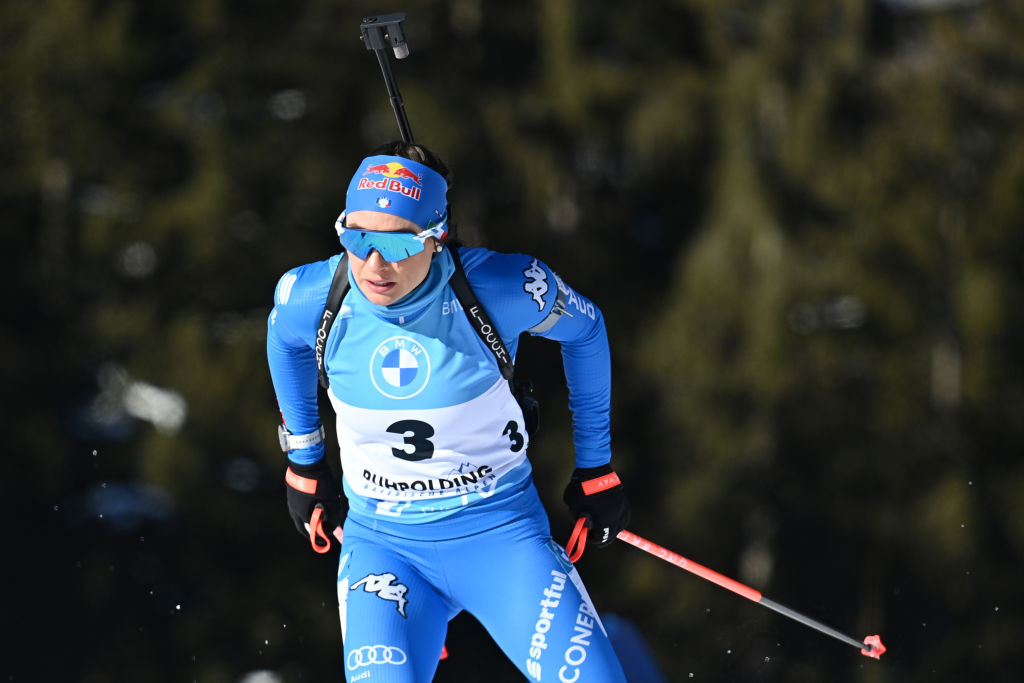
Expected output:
{"points": [[292, 442]]}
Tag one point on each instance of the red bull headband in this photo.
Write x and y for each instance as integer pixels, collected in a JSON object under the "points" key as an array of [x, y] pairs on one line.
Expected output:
{"points": [[401, 187]]}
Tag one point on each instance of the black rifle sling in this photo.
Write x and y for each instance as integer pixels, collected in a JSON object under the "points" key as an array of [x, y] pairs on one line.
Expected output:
{"points": [[339, 288], [479, 319], [474, 311], [485, 329]]}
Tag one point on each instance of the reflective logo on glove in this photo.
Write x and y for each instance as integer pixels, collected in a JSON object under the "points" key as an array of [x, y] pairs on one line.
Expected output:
{"points": [[599, 484], [303, 484]]}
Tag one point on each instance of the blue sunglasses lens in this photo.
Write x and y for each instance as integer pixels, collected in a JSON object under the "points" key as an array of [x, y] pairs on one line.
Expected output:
{"points": [[392, 246]]}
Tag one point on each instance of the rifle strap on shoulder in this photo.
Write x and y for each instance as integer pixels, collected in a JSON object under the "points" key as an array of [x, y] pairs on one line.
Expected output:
{"points": [[485, 329], [479, 319], [339, 287]]}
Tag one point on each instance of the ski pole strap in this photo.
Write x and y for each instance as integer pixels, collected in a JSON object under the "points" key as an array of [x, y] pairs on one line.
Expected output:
{"points": [[578, 540], [316, 530]]}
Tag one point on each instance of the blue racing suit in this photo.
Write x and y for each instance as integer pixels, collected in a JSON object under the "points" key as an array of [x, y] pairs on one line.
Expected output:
{"points": [[443, 513]]}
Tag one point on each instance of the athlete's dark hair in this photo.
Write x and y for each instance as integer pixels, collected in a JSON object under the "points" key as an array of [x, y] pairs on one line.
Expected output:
{"points": [[417, 152]]}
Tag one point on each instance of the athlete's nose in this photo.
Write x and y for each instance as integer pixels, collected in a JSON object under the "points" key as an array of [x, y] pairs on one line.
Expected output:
{"points": [[375, 260]]}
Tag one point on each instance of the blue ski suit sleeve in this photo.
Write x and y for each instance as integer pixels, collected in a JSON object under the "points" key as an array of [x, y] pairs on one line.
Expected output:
{"points": [[299, 301], [522, 294]]}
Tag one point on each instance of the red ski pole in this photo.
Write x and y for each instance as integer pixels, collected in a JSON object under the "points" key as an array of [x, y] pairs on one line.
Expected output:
{"points": [[870, 647]]}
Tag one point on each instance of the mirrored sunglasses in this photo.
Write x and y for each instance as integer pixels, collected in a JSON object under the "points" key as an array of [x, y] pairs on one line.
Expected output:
{"points": [[392, 246]]}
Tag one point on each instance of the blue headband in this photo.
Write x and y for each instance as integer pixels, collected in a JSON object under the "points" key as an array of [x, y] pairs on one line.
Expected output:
{"points": [[398, 186]]}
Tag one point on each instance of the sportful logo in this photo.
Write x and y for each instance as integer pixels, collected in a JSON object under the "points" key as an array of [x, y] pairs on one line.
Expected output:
{"points": [[385, 587], [395, 177], [539, 641], [375, 654], [536, 283]]}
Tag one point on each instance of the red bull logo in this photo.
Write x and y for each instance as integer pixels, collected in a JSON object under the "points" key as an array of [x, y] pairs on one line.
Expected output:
{"points": [[394, 173], [394, 169]]}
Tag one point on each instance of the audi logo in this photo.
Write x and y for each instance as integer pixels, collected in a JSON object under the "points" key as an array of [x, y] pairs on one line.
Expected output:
{"points": [[375, 654]]}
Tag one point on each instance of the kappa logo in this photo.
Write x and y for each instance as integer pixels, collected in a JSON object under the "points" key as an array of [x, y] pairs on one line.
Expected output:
{"points": [[386, 589], [536, 283], [400, 367]]}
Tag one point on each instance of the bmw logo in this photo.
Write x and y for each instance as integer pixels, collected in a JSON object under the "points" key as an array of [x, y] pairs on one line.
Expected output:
{"points": [[400, 367]]}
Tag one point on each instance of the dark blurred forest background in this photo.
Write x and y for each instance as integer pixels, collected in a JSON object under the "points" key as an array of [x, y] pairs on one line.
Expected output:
{"points": [[803, 219]]}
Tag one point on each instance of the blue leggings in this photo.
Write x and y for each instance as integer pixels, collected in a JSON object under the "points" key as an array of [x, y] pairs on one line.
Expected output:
{"points": [[396, 597]]}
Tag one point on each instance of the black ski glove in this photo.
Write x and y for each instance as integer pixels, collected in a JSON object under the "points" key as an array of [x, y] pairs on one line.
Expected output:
{"points": [[310, 487], [597, 494]]}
